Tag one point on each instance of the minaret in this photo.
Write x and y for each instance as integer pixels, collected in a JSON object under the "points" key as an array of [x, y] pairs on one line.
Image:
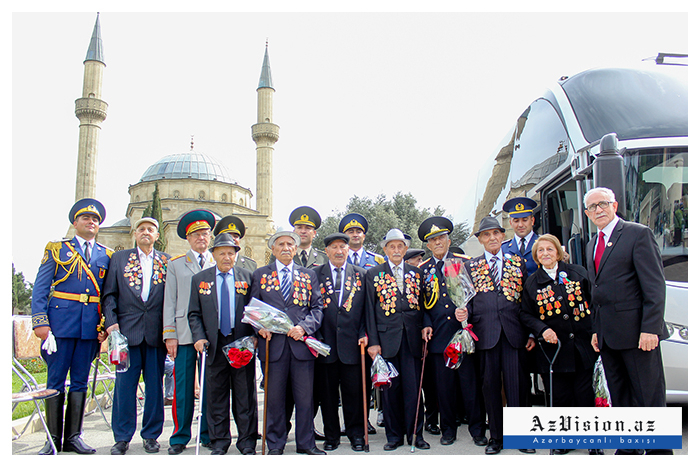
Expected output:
{"points": [[265, 135], [91, 110]]}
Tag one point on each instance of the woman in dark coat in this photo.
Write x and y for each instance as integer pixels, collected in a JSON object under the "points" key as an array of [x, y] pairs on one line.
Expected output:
{"points": [[555, 308]]}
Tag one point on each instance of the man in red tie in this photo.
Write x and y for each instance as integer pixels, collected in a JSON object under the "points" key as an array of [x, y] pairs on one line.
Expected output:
{"points": [[628, 293]]}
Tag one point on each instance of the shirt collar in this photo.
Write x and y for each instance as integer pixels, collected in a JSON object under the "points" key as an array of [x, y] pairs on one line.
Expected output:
{"points": [[206, 254], [143, 255], [82, 242], [489, 255], [281, 266], [527, 238], [608, 229]]}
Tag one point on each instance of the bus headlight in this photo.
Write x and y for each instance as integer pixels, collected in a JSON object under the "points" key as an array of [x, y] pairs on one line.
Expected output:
{"points": [[677, 332]]}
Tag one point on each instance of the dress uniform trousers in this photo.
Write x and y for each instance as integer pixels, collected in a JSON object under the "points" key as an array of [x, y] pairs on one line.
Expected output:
{"points": [[185, 374]]}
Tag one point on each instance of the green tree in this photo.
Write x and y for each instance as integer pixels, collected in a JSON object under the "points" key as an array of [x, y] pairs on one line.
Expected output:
{"points": [[154, 210], [21, 292], [384, 214]]}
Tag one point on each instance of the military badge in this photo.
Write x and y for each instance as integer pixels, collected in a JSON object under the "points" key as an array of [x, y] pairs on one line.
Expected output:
{"points": [[241, 287], [205, 288]]}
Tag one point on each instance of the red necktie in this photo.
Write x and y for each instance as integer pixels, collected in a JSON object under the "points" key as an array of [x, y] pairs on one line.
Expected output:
{"points": [[599, 249]]}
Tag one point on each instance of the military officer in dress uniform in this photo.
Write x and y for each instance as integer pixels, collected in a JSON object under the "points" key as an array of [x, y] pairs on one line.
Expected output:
{"points": [[234, 225], [195, 227], [522, 220], [75, 268], [355, 226], [441, 316]]}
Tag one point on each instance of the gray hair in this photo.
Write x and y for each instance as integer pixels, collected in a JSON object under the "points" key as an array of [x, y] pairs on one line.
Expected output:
{"points": [[609, 194]]}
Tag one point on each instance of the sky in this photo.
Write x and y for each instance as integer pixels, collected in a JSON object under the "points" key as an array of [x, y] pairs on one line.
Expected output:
{"points": [[367, 103]]}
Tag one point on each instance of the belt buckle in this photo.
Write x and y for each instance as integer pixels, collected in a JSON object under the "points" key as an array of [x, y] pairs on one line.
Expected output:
{"points": [[84, 298]]}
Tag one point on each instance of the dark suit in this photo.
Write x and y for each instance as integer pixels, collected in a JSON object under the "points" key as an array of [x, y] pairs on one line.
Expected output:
{"points": [[341, 328], [495, 314], [396, 326], [462, 383], [142, 324], [223, 382], [627, 298], [290, 359]]}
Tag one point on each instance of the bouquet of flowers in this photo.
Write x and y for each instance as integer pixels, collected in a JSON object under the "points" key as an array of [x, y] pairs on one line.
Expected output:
{"points": [[240, 352], [459, 284], [260, 315], [382, 372], [462, 342], [600, 385], [119, 351]]}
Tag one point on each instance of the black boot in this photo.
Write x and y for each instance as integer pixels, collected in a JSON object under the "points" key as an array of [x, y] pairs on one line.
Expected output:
{"points": [[74, 424], [54, 422]]}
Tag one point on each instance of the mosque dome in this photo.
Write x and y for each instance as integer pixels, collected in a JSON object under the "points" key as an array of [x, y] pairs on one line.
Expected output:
{"points": [[194, 165]]}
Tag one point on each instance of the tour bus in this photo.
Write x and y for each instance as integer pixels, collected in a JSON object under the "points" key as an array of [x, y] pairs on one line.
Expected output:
{"points": [[626, 129]]}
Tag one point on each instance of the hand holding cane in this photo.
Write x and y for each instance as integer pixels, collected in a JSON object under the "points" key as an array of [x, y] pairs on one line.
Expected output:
{"points": [[364, 394], [420, 389]]}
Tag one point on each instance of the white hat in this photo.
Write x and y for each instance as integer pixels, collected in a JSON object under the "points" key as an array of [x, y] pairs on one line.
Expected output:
{"points": [[395, 234], [283, 233], [146, 219]]}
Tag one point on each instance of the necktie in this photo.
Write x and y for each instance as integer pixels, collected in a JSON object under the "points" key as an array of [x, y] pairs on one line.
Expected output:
{"points": [[522, 247], [303, 258], [398, 277], [438, 269], [356, 259], [494, 272], [599, 249], [87, 252], [225, 325], [286, 284], [338, 283], [201, 261]]}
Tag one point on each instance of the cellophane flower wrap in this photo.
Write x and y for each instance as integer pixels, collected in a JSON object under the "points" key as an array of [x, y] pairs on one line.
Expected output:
{"points": [[119, 351], [261, 315], [461, 343], [600, 385], [382, 372], [240, 352], [459, 284]]}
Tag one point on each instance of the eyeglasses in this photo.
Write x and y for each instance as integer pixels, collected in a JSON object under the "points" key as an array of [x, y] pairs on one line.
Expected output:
{"points": [[602, 205]]}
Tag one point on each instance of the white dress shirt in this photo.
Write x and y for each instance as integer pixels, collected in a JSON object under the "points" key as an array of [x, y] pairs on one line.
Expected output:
{"points": [[146, 261]]}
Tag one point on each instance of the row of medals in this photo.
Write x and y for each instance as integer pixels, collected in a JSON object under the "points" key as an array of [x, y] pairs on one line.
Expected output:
{"points": [[387, 289], [549, 305], [511, 280]]}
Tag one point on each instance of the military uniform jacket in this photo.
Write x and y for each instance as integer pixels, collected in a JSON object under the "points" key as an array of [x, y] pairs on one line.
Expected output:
{"points": [[562, 306], [390, 311], [307, 312], [511, 247], [203, 307], [367, 260], [441, 315], [138, 321], [246, 263], [344, 325], [177, 296], [64, 268], [492, 311], [316, 258]]}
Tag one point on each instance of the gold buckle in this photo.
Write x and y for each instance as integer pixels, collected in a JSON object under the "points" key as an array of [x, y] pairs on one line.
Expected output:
{"points": [[84, 298]]}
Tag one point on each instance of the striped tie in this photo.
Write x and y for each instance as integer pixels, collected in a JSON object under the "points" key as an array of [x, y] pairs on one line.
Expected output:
{"points": [[494, 272], [286, 284]]}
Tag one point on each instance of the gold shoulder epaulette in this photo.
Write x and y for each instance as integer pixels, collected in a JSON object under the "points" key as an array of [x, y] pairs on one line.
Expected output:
{"points": [[379, 259], [425, 261], [108, 250], [176, 257], [460, 255]]}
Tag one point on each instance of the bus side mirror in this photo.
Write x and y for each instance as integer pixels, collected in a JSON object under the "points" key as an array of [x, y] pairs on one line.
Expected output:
{"points": [[609, 171]]}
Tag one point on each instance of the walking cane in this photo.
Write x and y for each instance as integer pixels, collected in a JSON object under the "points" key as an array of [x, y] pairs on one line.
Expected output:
{"points": [[267, 366], [551, 372], [202, 365], [364, 394], [420, 389]]}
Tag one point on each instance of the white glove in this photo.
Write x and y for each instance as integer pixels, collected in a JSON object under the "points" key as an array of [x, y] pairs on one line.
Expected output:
{"points": [[49, 344]]}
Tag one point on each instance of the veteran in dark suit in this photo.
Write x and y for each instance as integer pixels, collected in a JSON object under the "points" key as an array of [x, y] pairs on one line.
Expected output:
{"points": [[344, 329], [441, 316], [133, 304], [495, 315], [218, 299], [395, 331], [195, 227], [71, 317], [234, 225], [295, 290], [628, 295]]}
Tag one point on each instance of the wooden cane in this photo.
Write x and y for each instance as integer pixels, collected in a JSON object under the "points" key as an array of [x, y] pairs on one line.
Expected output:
{"points": [[364, 394], [267, 366], [420, 388]]}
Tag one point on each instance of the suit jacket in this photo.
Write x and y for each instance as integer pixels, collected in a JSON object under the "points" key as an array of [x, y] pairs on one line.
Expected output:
{"points": [[390, 311], [343, 326], [122, 304], [628, 294], [203, 314], [511, 246], [307, 312], [63, 265], [492, 311], [177, 296]]}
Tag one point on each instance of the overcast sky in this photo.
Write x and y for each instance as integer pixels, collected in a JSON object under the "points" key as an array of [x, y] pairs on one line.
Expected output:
{"points": [[367, 103]]}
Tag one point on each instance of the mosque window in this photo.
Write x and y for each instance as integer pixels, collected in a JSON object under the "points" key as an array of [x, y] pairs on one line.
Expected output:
{"points": [[176, 194], [223, 197], [201, 195]]}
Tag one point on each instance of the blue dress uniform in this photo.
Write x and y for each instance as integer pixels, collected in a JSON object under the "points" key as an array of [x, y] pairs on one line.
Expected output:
{"points": [[73, 313], [517, 208], [365, 259]]}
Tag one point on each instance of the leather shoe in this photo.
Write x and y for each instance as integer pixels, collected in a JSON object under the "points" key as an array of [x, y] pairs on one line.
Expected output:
{"points": [[432, 429], [151, 446], [422, 444], [480, 440], [447, 440], [494, 446], [314, 451], [392, 446], [176, 449], [331, 445], [119, 448], [358, 444], [275, 452], [218, 452], [248, 452], [76, 444], [371, 430], [531, 451]]}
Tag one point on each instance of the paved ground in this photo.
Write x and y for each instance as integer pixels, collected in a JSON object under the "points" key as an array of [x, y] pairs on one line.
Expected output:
{"points": [[99, 435]]}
